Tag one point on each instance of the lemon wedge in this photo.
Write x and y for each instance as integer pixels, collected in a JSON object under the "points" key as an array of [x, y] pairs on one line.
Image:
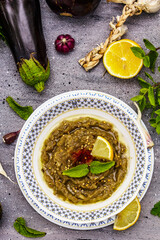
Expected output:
{"points": [[128, 216], [120, 61], [102, 149]]}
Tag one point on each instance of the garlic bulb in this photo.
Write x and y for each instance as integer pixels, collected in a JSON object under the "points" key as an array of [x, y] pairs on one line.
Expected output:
{"points": [[122, 1], [149, 6]]}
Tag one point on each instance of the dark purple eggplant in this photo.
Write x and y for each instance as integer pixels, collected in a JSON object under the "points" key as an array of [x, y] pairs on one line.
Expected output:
{"points": [[76, 8], [22, 28]]}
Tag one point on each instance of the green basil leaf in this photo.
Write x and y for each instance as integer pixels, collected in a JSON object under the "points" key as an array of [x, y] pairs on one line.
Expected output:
{"points": [[159, 69], [143, 83], [158, 128], [97, 167], [20, 227], [142, 104], [150, 77], [157, 112], [149, 45], [144, 90], [23, 112], [138, 52], [146, 61], [153, 57], [151, 96], [137, 98], [77, 172]]}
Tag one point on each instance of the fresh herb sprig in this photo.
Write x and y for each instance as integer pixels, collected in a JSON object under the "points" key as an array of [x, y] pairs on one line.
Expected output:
{"points": [[149, 59], [96, 167], [149, 94]]}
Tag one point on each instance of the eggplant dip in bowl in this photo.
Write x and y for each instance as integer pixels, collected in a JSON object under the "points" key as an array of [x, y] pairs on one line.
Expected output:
{"points": [[83, 160]]}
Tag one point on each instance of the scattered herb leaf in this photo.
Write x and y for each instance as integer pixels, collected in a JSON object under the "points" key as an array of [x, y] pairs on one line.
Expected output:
{"points": [[153, 57], [23, 112], [137, 98], [20, 227], [146, 61], [97, 167], [149, 45], [151, 96], [138, 52], [156, 210], [150, 77], [77, 172], [143, 83]]}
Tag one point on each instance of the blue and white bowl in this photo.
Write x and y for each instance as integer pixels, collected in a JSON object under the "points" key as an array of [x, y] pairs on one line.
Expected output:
{"points": [[37, 128]]}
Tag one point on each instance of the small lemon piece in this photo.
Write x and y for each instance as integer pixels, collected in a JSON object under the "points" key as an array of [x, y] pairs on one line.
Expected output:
{"points": [[120, 61], [102, 149], [128, 216]]}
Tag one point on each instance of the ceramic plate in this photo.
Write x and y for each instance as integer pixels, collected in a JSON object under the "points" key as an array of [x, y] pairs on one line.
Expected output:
{"points": [[41, 123]]}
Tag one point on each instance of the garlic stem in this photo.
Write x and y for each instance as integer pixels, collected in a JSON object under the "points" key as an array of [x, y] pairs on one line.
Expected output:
{"points": [[4, 173], [147, 136]]}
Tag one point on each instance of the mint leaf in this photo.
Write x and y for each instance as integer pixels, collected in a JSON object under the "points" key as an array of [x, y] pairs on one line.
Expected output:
{"points": [[137, 98], [156, 210], [158, 96], [150, 77], [142, 104], [20, 227], [138, 52], [151, 96], [158, 128], [97, 167], [157, 112], [153, 57], [23, 112], [158, 119], [77, 172], [144, 90], [146, 61], [149, 45], [153, 122], [143, 83]]}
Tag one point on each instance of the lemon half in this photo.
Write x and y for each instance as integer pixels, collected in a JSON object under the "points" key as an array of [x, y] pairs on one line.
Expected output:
{"points": [[128, 216], [120, 61]]}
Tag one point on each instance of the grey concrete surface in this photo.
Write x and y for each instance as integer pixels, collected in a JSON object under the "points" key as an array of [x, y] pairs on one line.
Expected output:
{"points": [[66, 75]]}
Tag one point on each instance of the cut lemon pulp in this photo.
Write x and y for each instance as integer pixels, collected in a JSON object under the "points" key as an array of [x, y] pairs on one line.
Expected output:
{"points": [[128, 216], [102, 149], [120, 61]]}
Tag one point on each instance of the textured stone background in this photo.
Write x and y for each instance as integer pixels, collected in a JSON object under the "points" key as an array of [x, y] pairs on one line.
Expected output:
{"points": [[67, 75]]}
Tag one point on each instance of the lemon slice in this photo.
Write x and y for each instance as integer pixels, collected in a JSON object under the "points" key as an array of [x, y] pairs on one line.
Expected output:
{"points": [[120, 61], [128, 216], [102, 149]]}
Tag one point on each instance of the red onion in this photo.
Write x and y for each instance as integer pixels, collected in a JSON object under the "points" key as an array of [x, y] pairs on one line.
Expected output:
{"points": [[64, 43], [10, 137]]}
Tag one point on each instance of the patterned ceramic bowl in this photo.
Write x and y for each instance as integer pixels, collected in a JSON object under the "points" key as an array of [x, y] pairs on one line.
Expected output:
{"points": [[41, 123]]}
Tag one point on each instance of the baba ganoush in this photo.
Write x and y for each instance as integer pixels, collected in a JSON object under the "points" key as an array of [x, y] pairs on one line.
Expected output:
{"points": [[69, 145]]}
